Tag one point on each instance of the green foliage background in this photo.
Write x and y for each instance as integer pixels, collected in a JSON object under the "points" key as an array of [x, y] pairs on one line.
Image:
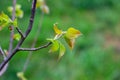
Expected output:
{"points": [[96, 55]]}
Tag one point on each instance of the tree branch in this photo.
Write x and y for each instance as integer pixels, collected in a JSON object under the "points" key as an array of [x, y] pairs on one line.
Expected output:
{"points": [[20, 32], [1, 51], [12, 31], [22, 39], [31, 19], [6, 65], [35, 49], [34, 42]]}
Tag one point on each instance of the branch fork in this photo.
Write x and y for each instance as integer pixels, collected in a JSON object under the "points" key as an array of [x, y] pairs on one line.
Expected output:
{"points": [[23, 37]]}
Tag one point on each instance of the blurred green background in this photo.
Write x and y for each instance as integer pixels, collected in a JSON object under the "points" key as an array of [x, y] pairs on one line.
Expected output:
{"points": [[96, 55]]}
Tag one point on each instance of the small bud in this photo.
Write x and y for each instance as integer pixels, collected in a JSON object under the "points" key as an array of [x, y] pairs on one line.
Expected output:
{"points": [[21, 76], [10, 28], [45, 9]]}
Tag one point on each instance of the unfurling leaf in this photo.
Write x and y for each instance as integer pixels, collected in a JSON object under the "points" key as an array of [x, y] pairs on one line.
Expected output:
{"points": [[45, 9], [40, 3], [57, 31], [21, 76], [72, 33], [15, 23], [16, 36], [62, 50], [70, 42], [55, 45], [4, 20], [18, 12], [70, 36]]}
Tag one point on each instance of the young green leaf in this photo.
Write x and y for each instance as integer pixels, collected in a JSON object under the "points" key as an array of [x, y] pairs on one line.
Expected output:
{"points": [[21, 76], [72, 33], [4, 20], [10, 9], [62, 50], [55, 46], [70, 36], [40, 3], [16, 36], [18, 12], [4, 16], [15, 23]]}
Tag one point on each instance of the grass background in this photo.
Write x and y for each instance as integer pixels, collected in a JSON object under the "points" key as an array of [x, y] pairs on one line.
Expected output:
{"points": [[96, 55]]}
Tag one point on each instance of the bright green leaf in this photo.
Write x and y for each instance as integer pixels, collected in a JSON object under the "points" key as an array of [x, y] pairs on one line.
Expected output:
{"points": [[62, 50], [55, 46], [4, 20], [4, 16], [16, 36], [21, 76], [10, 9], [15, 23], [18, 12]]}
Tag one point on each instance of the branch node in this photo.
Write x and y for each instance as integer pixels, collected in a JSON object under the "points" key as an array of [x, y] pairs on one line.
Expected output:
{"points": [[20, 32], [15, 50]]}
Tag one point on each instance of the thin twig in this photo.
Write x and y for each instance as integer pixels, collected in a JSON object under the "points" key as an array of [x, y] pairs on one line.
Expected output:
{"points": [[1, 51], [35, 49], [34, 42], [22, 39], [12, 31], [2, 70], [20, 32], [4, 57]]}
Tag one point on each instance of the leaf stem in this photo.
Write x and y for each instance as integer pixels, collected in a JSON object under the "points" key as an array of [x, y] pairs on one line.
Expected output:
{"points": [[35, 49], [20, 32]]}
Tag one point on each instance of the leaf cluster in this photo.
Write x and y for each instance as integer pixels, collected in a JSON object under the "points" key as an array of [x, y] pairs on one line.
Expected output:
{"points": [[69, 36], [6, 21]]}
